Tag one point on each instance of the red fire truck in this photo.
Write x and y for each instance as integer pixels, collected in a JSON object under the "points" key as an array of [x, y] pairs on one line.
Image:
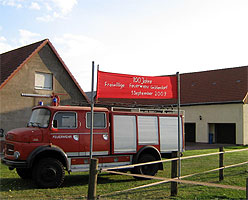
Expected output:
{"points": [[57, 139]]}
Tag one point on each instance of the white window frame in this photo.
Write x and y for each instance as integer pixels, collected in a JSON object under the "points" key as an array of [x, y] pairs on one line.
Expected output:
{"points": [[45, 79]]}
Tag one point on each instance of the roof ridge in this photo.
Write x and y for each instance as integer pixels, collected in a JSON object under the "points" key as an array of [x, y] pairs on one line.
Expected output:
{"points": [[41, 41], [212, 70]]}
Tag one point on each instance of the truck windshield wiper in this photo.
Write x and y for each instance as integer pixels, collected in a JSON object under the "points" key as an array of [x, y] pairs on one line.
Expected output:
{"points": [[35, 124]]}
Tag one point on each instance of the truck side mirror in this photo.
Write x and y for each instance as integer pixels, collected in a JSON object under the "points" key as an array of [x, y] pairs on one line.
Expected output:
{"points": [[55, 123], [1, 132]]}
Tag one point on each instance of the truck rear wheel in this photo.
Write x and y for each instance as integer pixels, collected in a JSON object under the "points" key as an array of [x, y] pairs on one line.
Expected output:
{"points": [[49, 173], [150, 170], [24, 173]]}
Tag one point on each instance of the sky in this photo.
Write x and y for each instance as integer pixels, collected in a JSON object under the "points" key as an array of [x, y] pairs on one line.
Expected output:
{"points": [[139, 37]]}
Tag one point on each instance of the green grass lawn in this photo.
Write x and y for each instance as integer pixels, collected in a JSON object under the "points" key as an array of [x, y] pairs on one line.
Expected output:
{"points": [[75, 185]]}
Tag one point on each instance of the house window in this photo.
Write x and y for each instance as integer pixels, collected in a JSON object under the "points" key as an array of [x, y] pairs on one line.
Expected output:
{"points": [[43, 81]]}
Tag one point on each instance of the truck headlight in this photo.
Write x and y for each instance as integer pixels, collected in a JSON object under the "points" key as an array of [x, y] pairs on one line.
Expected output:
{"points": [[16, 154]]}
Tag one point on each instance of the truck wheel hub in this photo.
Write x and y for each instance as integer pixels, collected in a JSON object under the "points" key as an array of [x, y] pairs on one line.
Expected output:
{"points": [[49, 173]]}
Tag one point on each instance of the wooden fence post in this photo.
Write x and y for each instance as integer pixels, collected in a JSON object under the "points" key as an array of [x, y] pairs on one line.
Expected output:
{"points": [[246, 188], [174, 173], [92, 179], [221, 164]]}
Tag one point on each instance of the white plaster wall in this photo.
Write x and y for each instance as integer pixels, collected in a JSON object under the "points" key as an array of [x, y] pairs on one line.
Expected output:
{"points": [[218, 113], [245, 113]]}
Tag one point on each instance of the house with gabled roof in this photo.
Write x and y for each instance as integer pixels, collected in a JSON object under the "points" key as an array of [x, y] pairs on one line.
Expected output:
{"points": [[37, 71], [215, 104]]}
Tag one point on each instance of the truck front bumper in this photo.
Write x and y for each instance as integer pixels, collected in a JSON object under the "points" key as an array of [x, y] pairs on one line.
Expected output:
{"points": [[14, 163]]}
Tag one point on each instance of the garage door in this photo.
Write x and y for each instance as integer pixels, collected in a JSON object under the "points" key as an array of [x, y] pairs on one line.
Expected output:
{"points": [[189, 132], [225, 133]]}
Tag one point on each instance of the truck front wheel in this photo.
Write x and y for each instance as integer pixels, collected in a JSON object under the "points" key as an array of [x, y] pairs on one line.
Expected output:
{"points": [[24, 173], [49, 173]]}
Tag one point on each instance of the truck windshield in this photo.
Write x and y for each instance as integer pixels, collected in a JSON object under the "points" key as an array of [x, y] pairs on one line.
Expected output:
{"points": [[39, 118]]}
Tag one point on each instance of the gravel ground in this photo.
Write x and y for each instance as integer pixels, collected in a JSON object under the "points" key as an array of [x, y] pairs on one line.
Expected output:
{"points": [[195, 146]]}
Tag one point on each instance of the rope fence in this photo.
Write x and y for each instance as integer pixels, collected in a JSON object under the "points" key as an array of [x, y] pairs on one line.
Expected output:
{"points": [[169, 160], [166, 180], [174, 180]]}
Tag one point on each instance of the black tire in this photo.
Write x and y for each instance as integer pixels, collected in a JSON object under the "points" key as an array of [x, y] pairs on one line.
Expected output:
{"points": [[49, 173], [24, 173], [150, 170]]}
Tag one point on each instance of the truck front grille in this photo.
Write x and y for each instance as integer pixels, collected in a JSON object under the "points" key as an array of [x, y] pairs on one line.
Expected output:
{"points": [[9, 149]]}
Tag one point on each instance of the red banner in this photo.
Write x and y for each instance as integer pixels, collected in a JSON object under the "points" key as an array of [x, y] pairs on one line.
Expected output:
{"points": [[112, 85]]}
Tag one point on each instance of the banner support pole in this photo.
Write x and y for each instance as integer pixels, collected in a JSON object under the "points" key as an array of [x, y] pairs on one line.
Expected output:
{"points": [[92, 108], [179, 127]]}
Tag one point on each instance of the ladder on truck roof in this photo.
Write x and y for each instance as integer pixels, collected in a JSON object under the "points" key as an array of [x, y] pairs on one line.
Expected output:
{"points": [[147, 110]]}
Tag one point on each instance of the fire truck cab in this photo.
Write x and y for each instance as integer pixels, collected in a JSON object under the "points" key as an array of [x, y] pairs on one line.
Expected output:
{"points": [[57, 139]]}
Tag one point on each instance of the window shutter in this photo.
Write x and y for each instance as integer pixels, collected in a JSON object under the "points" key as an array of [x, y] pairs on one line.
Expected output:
{"points": [[43, 81]]}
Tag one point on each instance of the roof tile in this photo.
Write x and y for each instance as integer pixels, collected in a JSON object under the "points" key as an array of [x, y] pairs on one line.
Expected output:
{"points": [[207, 87], [13, 59]]}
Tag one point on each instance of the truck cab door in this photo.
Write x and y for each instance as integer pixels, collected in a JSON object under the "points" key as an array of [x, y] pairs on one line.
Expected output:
{"points": [[64, 132], [101, 136]]}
